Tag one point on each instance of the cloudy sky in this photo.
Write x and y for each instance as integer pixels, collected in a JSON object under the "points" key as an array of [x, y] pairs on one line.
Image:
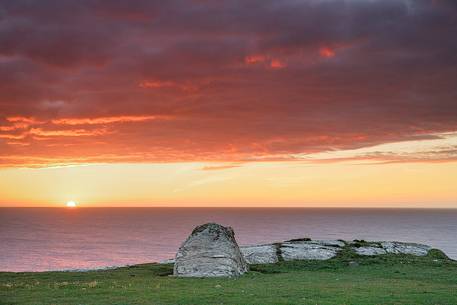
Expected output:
{"points": [[222, 90]]}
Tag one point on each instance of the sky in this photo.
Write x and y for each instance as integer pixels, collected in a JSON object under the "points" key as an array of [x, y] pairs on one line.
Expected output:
{"points": [[228, 103]]}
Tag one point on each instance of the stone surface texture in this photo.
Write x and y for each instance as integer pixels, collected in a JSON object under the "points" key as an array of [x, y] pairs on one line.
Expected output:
{"points": [[393, 247], [301, 250], [261, 254], [370, 251], [405, 248], [210, 251]]}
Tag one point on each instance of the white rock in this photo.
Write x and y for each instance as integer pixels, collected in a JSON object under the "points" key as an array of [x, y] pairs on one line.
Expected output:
{"points": [[261, 254], [167, 261], [369, 250], [210, 251], [405, 248], [307, 250]]}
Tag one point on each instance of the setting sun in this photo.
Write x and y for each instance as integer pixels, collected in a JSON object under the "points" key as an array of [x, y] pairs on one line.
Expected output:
{"points": [[71, 204]]}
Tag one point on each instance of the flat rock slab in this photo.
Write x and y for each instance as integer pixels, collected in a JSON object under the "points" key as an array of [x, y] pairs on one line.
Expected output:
{"points": [[370, 251], [261, 254], [303, 250], [405, 248], [393, 247], [210, 251]]}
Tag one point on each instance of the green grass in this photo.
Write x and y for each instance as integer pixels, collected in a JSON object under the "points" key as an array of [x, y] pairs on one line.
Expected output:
{"points": [[347, 279]]}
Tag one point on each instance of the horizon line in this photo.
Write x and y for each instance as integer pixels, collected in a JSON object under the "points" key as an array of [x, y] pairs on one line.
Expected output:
{"points": [[228, 207]]}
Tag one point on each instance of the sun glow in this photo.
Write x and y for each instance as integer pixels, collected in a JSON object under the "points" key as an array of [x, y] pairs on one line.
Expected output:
{"points": [[71, 204]]}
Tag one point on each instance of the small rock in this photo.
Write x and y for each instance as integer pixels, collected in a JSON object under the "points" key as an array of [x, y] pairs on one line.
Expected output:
{"points": [[353, 264]]}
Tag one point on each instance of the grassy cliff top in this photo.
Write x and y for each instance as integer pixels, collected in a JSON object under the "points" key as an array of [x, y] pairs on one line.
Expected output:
{"points": [[345, 279]]}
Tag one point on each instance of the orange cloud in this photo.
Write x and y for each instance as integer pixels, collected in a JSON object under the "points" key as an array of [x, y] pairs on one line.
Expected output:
{"points": [[326, 52], [24, 123], [67, 133], [273, 63], [17, 143], [19, 122], [156, 84], [277, 64], [254, 59], [107, 120], [25, 120], [7, 128], [12, 137], [219, 167]]}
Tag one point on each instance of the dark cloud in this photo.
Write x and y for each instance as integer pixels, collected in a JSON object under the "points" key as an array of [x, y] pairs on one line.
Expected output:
{"points": [[241, 79]]}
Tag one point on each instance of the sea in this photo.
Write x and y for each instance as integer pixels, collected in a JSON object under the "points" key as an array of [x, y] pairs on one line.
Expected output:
{"points": [[44, 239]]}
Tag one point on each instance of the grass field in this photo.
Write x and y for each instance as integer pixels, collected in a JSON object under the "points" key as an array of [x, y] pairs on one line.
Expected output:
{"points": [[347, 279]]}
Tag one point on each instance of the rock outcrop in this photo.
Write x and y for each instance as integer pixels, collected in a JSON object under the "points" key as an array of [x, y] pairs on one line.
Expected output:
{"points": [[314, 249], [210, 251], [393, 247], [298, 249], [322, 250], [261, 254], [369, 250]]}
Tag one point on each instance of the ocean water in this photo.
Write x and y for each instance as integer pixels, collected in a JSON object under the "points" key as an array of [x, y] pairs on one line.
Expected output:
{"points": [[40, 239]]}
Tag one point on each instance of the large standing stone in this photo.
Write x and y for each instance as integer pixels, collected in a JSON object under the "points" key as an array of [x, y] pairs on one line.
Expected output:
{"points": [[210, 251]]}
